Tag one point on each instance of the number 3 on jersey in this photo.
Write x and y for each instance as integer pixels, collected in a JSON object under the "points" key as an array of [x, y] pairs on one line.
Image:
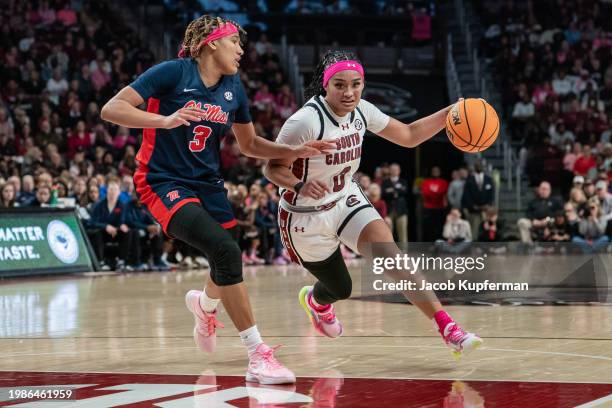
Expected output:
{"points": [[339, 179], [200, 135]]}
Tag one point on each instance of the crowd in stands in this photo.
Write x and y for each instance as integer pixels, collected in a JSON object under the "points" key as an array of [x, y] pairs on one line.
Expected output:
{"points": [[553, 61], [257, 16], [584, 218], [60, 61], [462, 211]]}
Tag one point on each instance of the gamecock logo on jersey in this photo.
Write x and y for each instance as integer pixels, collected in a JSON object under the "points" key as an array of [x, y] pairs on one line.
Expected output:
{"points": [[352, 200], [173, 195], [214, 113], [358, 124]]}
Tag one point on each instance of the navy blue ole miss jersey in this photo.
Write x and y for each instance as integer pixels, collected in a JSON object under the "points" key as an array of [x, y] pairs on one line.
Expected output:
{"points": [[188, 154]]}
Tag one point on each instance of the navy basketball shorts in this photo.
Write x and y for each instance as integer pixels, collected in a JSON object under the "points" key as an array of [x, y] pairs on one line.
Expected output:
{"points": [[164, 197]]}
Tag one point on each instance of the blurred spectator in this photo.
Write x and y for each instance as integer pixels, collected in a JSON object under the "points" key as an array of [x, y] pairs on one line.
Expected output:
{"points": [[245, 217], [457, 233], [478, 193], [560, 229], [265, 220], [491, 229], [539, 214], [109, 219], [455, 188], [27, 195], [605, 199], [43, 196], [585, 162], [16, 182], [394, 190], [7, 195], [127, 189], [524, 111], [578, 199], [6, 125], [434, 191], [374, 195], [57, 86], [148, 232], [79, 192], [560, 135], [589, 188], [79, 139], [264, 98], [421, 25], [592, 230]]}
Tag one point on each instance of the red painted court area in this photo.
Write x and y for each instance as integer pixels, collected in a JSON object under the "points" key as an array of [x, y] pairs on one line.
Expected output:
{"points": [[210, 391]]}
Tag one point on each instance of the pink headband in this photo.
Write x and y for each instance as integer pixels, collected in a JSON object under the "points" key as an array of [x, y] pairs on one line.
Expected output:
{"points": [[333, 69], [223, 30]]}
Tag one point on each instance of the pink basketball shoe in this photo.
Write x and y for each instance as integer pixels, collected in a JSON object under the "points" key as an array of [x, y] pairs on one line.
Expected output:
{"points": [[460, 341], [266, 369], [325, 322], [205, 323]]}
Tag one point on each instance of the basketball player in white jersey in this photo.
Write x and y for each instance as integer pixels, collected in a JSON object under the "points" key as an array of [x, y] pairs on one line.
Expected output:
{"points": [[322, 207]]}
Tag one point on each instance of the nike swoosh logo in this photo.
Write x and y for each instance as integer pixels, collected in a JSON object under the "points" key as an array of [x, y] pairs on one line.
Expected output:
{"points": [[188, 90]]}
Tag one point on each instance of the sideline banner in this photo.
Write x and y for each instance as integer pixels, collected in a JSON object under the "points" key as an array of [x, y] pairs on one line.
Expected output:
{"points": [[36, 241]]}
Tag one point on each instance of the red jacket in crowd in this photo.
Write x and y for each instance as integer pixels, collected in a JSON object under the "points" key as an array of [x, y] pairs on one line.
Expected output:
{"points": [[434, 193]]}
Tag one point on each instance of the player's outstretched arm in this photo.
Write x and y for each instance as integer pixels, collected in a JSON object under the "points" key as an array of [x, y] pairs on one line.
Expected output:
{"points": [[122, 110], [417, 132], [254, 146]]}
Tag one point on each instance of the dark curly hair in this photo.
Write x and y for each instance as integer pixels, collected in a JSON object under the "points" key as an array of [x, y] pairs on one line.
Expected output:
{"points": [[329, 58], [199, 29]]}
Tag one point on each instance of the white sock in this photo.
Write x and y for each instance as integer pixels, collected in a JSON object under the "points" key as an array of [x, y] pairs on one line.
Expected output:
{"points": [[251, 339], [208, 304]]}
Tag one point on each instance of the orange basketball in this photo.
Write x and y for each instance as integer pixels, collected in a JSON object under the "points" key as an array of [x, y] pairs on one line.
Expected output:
{"points": [[472, 125]]}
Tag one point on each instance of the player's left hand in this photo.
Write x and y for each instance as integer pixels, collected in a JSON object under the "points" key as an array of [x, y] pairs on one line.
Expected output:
{"points": [[124, 228], [313, 148]]}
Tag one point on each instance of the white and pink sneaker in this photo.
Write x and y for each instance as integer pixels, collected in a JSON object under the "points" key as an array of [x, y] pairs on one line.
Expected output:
{"points": [[205, 323], [324, 321], [279, 260], [255, 260], [460, 341], [246, 259], [264, 368]]}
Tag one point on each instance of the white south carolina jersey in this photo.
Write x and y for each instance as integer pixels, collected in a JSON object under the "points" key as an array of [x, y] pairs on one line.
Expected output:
{"points": [[316, 121]]}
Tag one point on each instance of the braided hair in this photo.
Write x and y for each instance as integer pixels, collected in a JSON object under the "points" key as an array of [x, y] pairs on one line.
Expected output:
{"points": [[199, 29], [329, 58]]}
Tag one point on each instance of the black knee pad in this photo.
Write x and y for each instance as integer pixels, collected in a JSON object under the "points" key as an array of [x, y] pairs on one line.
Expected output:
{"points": [[335, 282], [226, 263]]}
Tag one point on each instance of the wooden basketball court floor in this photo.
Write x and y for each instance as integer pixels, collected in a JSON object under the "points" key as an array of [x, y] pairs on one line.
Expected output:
{"points": [[103, 333]]}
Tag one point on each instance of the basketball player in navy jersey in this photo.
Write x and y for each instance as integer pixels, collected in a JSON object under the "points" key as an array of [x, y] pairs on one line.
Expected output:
{"points": [[192, 102]]}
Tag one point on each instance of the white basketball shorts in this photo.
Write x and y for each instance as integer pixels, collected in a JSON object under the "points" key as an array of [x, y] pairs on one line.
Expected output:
{"points": [[314, 236]]}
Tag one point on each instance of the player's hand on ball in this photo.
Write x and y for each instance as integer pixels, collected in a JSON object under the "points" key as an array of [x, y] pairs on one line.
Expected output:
{"points": [[182, 117], [454, 104], [313, 148], [314, 189]]}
